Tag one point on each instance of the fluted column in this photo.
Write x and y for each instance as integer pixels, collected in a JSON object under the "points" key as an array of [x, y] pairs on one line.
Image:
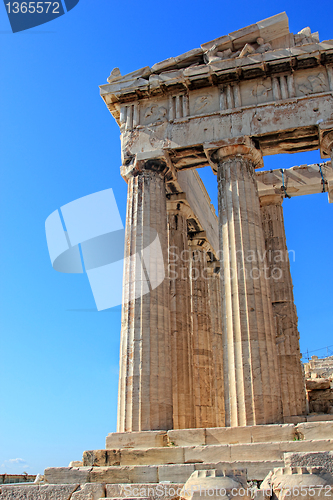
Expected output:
{"points": [[201, 339], [180, 310], [145, 386], [214, 290], [252, 390], [284, 310]]}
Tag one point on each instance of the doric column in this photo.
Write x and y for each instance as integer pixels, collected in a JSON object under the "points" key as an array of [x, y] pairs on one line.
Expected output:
{"points": [[180, 310], [201, 339], [214, 291], [145, 386], [284, 310], [252, 388]]}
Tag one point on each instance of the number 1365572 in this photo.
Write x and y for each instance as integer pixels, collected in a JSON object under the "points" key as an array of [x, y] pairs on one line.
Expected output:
{"points": [[33, 7]]}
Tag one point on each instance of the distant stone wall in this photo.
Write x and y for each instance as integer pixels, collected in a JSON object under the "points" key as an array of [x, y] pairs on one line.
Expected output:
{"points": [[16, 478], [319, 384], [321, 367]]}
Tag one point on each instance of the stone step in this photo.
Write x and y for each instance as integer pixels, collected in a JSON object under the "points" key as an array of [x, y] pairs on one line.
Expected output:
{"points": [[129, 498], [312, 417], [208, 453], [223, 435], [141, 490], [257, 470]]}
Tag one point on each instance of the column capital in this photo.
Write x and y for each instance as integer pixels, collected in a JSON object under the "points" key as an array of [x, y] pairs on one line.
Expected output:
{"points": [[326, 144], [156, 161], [237, 146], [271, 199]]}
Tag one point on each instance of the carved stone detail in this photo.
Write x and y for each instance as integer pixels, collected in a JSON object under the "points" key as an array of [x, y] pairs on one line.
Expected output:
{"points": [[129, 116], [155, 114], [178, 106], [313, 84]]}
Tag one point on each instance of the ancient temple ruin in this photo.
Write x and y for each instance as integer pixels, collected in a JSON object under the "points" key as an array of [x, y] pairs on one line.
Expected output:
{"points": [[211, 388], [215, 351]]}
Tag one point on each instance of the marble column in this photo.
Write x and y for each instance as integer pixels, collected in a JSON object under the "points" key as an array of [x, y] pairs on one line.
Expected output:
{"points": [[214, 293], [180, 318], [145, 379], [203, 374], [252, 387], [284, 310]]}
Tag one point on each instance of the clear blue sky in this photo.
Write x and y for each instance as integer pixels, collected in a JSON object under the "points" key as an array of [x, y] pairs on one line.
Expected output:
{"points": [[59, 366]]}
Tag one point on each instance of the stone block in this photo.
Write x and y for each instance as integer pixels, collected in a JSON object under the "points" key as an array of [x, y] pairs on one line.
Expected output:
{"points": [[76, 463], [319, 418], [256, 451], [307, 446], [152, 456], [228, 435], [187, 437], [203, 454], [272, 433], [67, 475], [256, 471], [315, 430], [317, 384], [38, 492], [125, 474], [89, 492], [175, 473], [101, 458], [113, 474], [316, 459], [294, 419], [143, 474], [144, 439], [144, 490]]}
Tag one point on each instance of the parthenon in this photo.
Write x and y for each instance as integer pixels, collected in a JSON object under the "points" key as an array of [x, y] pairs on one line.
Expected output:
{"points": [[211, 384], [213, 347]]}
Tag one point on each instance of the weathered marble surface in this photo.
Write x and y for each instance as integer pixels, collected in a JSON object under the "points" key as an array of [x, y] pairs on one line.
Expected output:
{"points": [[145, 387], [252, 389], [284, 311]]}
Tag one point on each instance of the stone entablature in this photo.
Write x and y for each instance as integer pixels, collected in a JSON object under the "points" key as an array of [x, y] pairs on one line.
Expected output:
{"points": [[186, 105], [297, 181]]}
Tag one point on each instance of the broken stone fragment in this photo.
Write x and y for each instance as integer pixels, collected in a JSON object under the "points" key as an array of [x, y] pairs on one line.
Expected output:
{"points": [[318, 383], [218, 484], [297, 482], [114, 75]]}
